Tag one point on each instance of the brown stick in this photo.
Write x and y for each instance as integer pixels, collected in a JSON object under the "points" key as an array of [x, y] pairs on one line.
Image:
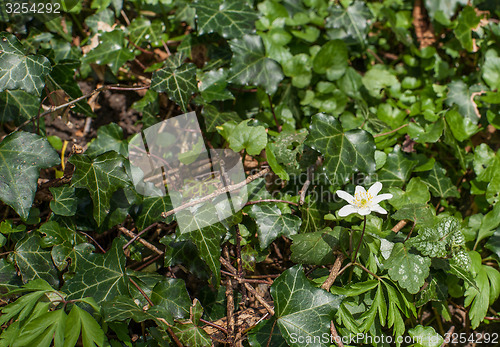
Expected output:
{"points": [[218, 192], [139, 234], [141, 240], [333, 273], [271, 200], [335, 335], [306, 185], [401, 224]]}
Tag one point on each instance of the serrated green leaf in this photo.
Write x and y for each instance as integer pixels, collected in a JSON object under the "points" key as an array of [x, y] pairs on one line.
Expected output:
{"points": [[43, 329], [112, 51], [271, 223], [345, 152], [18, 106], [331, 60], [250, 65], [229, 18], [436, 290], [22, 155], [288, 148], [19, 70], [438, 240], [302, 311], [410, 270], [35, 262], [172, 295], [101, 276], [349, 23], [315, 248], [439, 183], [425, 336], [354, 289], [65, 201], [101, 176], [109, 138], [81, 321], [142, 30], [179, 83]]}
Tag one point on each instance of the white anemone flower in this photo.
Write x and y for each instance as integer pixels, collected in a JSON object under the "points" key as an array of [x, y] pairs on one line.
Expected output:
{"points": [[363, 202]]}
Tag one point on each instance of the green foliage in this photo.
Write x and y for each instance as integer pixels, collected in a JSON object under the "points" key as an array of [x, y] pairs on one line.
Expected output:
{"points": [[329, 95]]}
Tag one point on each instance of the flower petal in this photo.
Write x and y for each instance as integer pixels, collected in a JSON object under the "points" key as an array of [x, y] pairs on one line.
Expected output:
{"points": [[347, 210], [377, 208], [360, 190], [346, 196], [380, 198], [364, 211], [375, 189]]}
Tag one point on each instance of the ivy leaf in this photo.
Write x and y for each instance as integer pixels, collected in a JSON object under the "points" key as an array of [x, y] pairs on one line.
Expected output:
{"points": [[142, 30], [349, 23], [397, 169], [109, 138], [150, 211], [345, 152], [213, 86], [188, 330], [299, 69], [271, 223], [123, 308], [467, 20], [22, 155], [229, 18], [315, 248], [331, 60], [101, 276], [18, 106], [179, 83], [172, 295], [8, 277], [206, 239], [460, 94], [78, 321], [302, 311], [33, 261], [416, 192], [101, 176], [62, 77], [437, 241], [379, 78], [288, 147], [112, 51], [19, 70], [418, 213], [409, 269], [214, 118], [447, 8], [65, 201], [491, 69], [311, 215], [250, 65], [251, 138], [439, 183], [425, 336], [266, 330]]}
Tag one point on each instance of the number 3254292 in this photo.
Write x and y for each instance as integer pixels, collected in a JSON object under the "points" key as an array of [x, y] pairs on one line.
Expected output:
{"points": [[32, 8]]}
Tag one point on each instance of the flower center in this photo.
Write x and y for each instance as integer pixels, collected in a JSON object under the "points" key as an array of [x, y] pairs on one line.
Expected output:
{"points": [[362, 200]]}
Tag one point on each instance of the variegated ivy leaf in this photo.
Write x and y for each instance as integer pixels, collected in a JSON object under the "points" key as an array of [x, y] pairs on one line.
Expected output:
{"points": [[229, 18], [19, 70], [271, 223], [302, 310]]}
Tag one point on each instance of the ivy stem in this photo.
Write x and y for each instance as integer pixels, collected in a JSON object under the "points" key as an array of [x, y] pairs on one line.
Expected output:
{"points": [[353, 259], [274, 114]]}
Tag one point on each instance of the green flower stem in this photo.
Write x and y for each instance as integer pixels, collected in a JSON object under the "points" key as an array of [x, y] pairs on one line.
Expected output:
{"points": [[353, 259]]}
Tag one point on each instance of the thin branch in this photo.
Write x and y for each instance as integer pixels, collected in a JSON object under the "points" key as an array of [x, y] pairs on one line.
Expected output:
{"points": [[97, 243], [401, 224], [392, 131], [216, 326], [139, 234], [74, 101], [218, 192], [144, 242], [306, 185], [333, 273], [271, 200], [335, 335]]}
